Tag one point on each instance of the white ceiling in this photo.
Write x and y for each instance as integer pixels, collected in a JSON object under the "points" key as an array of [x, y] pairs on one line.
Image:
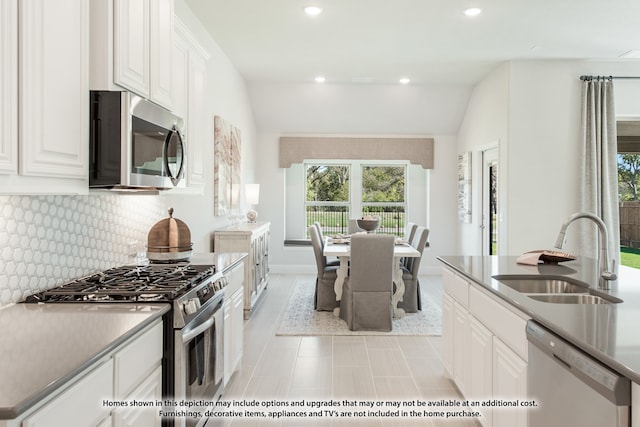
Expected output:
{"points": [[429, 41]]}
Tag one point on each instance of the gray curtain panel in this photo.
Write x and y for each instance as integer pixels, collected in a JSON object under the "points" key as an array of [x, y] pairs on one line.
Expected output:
{"points": [[599, 167]]}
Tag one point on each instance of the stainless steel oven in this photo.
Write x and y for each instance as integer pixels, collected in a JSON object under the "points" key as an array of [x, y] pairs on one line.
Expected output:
{"points": [[199, 358]]}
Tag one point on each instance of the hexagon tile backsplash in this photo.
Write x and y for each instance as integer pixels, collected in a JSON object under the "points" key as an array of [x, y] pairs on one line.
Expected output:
{"points": [[48, 240]]}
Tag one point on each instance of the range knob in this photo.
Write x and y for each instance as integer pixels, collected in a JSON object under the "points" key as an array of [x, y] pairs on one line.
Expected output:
{"points": [[218, 285], [191, 306]]}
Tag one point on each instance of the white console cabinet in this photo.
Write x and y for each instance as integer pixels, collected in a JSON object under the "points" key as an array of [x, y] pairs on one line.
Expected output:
{"points": [[484, 348], [253, 239]]}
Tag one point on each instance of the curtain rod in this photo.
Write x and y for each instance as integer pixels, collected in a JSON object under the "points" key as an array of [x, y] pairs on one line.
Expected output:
{"points": [[588, 78]]}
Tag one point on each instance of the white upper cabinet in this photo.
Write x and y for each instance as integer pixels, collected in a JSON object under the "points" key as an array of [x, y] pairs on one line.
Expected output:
{"points": [[197, 121], [160, 51], [131, 45], [44, 114], [142, 47], [9, 86], [53, 89], [188, 94]]}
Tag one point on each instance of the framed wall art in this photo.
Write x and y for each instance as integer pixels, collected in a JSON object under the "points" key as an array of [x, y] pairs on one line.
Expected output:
{"points": [[464, 187], [227, 167]]}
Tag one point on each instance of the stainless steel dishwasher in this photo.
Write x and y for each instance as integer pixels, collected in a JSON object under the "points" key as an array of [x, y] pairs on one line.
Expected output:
{"points": [[572, 388]]}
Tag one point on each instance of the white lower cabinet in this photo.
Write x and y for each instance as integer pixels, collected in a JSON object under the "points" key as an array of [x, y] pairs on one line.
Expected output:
{"points": [[148, 391], [81, 404], [136, 361], [484, 349], [509, 382], [461, 345], [233, 321], [448, 320], [133, 371], [480, 366]]}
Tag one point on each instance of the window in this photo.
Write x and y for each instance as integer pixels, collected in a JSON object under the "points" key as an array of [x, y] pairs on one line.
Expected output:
{"points": [[327, 199], [336, 192], [628, 133], [383, 195]]}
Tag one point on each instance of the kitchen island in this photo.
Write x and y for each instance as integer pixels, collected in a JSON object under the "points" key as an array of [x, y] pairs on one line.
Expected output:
{"points": [[607, 332], [480, 306]]}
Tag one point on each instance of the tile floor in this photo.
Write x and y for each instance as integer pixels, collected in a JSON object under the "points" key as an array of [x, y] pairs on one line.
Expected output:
{"points": [[277, 368]]}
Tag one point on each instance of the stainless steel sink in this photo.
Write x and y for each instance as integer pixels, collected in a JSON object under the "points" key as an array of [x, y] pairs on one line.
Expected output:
{"points": [[570, 298], [542, 286], [555, 290]]}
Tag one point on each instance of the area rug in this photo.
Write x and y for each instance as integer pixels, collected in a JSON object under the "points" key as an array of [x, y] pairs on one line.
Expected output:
{"points": [[300, 318]]}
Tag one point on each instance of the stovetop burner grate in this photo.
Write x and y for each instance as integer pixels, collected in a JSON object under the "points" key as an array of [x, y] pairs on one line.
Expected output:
{"points": [[151, 283]]}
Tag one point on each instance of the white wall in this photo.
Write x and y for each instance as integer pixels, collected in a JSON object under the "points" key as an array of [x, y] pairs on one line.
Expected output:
{"points": [[484, 124], [364, 110], [539, 155]]}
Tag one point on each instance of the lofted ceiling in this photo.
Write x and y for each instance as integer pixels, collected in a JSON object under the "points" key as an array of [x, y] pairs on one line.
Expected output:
{"points": [[429, 41]]}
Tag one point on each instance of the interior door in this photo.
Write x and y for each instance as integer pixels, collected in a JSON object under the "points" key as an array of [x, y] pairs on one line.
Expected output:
{"points": [[490, 211]]}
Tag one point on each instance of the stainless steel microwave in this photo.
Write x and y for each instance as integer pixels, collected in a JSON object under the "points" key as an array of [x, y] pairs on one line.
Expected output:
{"points": [[134, 144]]}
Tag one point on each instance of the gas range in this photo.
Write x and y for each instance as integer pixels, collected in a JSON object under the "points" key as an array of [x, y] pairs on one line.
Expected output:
{"points": [[150, 283], [193, 330]]}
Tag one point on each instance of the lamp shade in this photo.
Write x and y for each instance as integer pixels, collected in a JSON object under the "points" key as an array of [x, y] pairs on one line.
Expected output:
{"points": [[252, 192]]}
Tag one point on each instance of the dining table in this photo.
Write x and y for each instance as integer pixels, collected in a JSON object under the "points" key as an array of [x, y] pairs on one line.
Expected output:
{"points": [[341, 249]]}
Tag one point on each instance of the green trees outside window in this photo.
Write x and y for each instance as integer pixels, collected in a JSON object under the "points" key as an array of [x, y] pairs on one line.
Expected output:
{"points": [[379, 190]]}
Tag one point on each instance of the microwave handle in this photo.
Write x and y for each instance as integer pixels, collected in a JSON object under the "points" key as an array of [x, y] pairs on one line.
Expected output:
{"points": [[175, 179]]}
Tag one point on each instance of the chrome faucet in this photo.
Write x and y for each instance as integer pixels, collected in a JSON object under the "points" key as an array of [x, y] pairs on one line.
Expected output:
{"points": [[606, 274]]}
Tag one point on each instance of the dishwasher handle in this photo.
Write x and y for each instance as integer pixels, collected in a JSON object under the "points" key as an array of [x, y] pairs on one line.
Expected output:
{"points": [[608, 383]]}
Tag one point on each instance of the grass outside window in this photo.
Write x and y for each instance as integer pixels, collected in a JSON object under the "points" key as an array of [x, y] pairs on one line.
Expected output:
{"points": [[630, 256]]}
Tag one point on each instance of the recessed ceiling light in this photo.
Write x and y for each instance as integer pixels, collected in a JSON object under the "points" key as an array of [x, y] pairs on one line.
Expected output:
{"points": [[473, 11], [320, 79], [313, 10], [405, 80]]}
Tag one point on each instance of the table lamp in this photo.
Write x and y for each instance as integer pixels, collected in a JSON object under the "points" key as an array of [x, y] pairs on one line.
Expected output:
{"points": [[252, 193]]}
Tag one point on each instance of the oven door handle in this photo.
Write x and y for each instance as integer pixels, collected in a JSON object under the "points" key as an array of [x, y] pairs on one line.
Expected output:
{"points": [[197, 330]]}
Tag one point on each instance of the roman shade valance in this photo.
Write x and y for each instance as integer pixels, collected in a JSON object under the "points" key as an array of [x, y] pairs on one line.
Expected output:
{"points": [[295, 149]]}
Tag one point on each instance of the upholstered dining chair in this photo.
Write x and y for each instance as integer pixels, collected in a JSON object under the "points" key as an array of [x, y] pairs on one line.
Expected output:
{"points": [[366, 293], [328, 261], [353, 226], [411, 299], [325, 295], [409, 232]]}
